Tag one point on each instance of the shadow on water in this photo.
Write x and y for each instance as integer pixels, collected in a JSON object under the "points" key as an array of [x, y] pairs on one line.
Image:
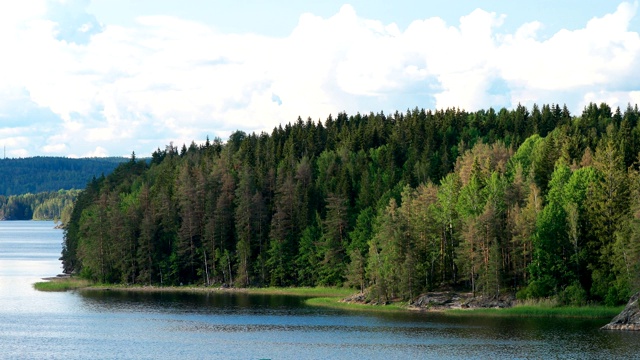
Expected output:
{"points": [[186, 302], [281, 317]]}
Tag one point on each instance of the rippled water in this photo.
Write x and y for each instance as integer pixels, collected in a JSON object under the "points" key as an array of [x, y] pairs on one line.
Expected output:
{"points": [[123, 325]]}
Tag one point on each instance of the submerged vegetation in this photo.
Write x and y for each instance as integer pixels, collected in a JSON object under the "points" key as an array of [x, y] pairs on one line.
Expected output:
{"points": [[534, 201]]}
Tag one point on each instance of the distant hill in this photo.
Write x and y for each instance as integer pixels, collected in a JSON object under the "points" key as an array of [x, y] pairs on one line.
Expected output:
{"points": [[52, 205], [43, 174]]}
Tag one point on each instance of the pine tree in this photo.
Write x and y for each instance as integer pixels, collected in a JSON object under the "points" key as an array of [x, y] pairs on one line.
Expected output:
{"points": [[308, 258], [608, 205], [146, 238], [190, 199], [245, 223], [334, 241], [281, 236]]}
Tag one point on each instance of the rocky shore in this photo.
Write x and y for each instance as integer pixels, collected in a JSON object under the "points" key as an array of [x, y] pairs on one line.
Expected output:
{"points": [[629, 318], [438, 301], [455, 300]]}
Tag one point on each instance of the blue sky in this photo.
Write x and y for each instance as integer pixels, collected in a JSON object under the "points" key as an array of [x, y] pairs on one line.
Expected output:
{"points": [[108, 77]]}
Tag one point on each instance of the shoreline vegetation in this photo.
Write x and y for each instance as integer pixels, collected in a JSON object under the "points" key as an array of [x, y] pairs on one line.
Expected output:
{"points": [[61, 283], [338, 298], [536, 202]]}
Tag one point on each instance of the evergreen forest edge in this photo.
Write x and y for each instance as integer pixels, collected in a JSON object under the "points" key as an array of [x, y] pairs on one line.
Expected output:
{"points": [[538, 202], [44, 188]]}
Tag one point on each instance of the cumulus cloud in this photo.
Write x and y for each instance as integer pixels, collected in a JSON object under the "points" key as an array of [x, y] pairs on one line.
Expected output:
{"points": [[99, 151], [54, 148], [96, 89]]}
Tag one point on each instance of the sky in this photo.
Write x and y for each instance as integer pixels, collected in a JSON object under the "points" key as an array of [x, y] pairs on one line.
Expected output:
{"points": [[84, 78]]}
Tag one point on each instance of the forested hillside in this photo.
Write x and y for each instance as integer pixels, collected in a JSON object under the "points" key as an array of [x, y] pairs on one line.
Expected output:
{"points": [[535, 201], [44, 174]]}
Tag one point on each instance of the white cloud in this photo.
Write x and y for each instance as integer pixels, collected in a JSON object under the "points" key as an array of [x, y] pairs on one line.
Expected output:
{"points": [[118, 89], [601, 56], [54, 148], [99, 151], [15, 146], [18, 153]]}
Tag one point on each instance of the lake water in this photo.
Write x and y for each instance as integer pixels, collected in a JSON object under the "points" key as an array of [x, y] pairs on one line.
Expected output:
{"points": [[117, 325]]}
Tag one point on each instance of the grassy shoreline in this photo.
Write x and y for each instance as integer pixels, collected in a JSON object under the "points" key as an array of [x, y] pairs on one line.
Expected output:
{"points": [[582, 312], [337, 303], [332, 298], [292, 291], [73, 283], [61, 284]]}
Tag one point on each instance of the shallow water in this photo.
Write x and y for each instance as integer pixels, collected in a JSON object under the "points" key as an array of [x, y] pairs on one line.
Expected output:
{"points": [[128, 325]]}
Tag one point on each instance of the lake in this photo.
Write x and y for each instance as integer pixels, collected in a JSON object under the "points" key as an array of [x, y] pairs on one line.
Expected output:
{"points": [[128, 325]]}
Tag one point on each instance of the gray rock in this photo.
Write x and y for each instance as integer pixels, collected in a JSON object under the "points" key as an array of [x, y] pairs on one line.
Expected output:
{"points": [[439, 299], [629, 318], [453, 300]]}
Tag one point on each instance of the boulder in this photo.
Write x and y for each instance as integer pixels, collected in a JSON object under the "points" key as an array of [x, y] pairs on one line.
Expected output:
{"points": [[359, 298], [441, 300], [629, 318], [437, 299]]}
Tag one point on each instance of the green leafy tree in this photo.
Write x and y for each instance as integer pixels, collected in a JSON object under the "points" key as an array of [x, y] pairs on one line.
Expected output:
{"points": [[385, 254], [448, 220], [550, 269]]}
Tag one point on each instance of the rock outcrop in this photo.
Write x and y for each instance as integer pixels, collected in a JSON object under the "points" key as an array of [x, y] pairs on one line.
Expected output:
{"points": [[455, 300], [629, 318], [443, 300]]}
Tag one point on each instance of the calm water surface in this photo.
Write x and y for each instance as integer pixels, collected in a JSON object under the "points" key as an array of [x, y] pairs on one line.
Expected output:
{"points": [[113, 325]]}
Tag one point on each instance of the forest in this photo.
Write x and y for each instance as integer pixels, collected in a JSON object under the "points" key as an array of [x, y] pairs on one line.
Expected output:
{"points": [[46, 174], [54, 205], [537, 202]]}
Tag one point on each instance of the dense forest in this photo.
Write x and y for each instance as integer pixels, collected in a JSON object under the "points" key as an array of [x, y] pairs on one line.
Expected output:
{"points": [[55, 205], [45, 174], [535, 201]]}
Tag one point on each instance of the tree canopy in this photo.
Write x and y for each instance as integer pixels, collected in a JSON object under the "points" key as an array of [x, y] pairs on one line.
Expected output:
{"points": [[539, 202]]}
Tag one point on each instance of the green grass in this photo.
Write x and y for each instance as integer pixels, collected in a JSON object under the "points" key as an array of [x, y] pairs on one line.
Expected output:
{"points": [[544, 311], [61, 284], [326, 292], [292, 291], [334, 303]]}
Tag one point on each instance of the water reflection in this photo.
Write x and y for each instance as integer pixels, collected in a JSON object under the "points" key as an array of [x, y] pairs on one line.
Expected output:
{"points": [[142, 325], [284, 317], [186, 302]]}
